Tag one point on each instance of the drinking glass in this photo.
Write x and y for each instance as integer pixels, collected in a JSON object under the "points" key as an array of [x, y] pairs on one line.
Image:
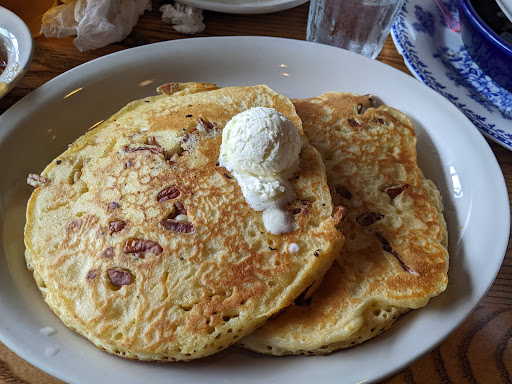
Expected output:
{"points": [[360, 26]]}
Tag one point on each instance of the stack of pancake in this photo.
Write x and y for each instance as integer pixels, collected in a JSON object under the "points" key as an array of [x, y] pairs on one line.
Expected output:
{"points": [[142, 243]]}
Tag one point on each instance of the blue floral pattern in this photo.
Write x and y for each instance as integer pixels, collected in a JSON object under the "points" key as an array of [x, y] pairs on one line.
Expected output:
{"points": [[426, 22], [464, 72], [463, 83]]}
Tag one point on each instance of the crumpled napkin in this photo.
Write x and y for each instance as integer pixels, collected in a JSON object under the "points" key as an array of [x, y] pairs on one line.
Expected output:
{"points": [[185, 18], [96, 23]]}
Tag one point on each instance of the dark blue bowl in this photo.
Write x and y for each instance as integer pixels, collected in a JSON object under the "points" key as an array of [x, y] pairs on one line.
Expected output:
{"points": [[489, 50]]}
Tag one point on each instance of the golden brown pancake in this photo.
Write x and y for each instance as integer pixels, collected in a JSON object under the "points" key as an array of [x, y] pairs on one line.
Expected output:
{"points": [[395, 254], [140, 242]]}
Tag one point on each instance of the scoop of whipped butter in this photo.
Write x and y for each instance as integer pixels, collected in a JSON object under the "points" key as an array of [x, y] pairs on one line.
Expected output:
{"points": [[260, 147]]}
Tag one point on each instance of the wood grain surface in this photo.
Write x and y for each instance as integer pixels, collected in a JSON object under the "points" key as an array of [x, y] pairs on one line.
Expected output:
{"points": [[479, 351]]}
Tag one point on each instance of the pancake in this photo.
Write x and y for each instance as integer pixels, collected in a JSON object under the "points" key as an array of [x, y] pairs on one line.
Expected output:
{"points": [[141, 243], [395, 253]]}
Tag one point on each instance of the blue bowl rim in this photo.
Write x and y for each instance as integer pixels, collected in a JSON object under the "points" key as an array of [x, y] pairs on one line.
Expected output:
{"points": [[475, 19]]}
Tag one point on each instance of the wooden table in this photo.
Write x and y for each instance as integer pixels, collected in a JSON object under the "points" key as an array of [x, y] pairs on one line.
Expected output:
{"points": [[480, 351]]}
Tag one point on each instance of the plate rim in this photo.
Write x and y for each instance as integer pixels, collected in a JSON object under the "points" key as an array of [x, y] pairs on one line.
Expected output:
{"points": [[251, 7]]}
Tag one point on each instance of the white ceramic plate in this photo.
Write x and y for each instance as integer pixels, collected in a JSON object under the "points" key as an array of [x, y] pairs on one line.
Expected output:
{"points": [[244, 6], [40, 126], [436, 56], [506, 7], [16, 47]]}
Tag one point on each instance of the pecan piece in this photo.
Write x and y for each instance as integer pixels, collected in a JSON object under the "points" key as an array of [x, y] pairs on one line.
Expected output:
{"points": [[343, 192], [36, 180], [153, 141], [167, 194], [180, 208], [395, 190], [155, 150], [156, 145], [340, 213], [353, 123], [177, 226], [120, 277], [368, 218], [179, 212], [206, 125], [139, 246], [168, 88], [116, 225], [387, 247]]}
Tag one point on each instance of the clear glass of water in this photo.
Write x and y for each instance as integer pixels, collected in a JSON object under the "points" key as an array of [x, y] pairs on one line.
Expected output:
{"points": [[360, 26]]}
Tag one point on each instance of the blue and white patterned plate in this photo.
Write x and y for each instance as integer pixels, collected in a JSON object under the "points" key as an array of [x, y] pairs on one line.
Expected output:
{"points": [[436, 56]]}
